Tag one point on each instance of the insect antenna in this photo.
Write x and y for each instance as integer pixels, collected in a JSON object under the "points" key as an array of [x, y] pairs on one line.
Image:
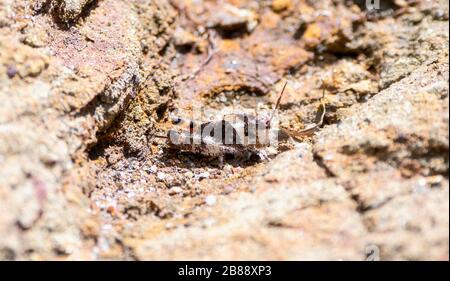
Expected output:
{"points": [[322, 85], [278, 102], [319, 120]]}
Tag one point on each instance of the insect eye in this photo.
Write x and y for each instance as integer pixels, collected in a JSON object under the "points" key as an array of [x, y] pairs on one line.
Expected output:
{"points": [[176, 120]]}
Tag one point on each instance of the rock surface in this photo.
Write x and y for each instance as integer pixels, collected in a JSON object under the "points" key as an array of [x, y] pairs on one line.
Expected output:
{"points": [[86, 85]]}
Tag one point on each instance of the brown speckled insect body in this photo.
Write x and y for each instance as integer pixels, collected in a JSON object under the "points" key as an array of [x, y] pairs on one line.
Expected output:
{"points": [[239, 135]]}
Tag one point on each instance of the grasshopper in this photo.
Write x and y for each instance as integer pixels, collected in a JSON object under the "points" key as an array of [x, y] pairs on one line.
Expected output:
{"points": [[239, 135]]}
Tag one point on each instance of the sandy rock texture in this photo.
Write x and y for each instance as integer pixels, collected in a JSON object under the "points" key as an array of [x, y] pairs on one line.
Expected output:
{"points": [[87, 86], [60, 85]]}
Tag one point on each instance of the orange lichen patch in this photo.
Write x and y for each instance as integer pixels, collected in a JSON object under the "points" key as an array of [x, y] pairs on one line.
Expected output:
{"points": [[269, 20], [312, 33], [281, 5], [229, 46], [287, 57], [323, 29], [333, 29]]}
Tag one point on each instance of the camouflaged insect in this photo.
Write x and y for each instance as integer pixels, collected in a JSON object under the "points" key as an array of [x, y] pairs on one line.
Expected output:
{"points": [[238, 135]]}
